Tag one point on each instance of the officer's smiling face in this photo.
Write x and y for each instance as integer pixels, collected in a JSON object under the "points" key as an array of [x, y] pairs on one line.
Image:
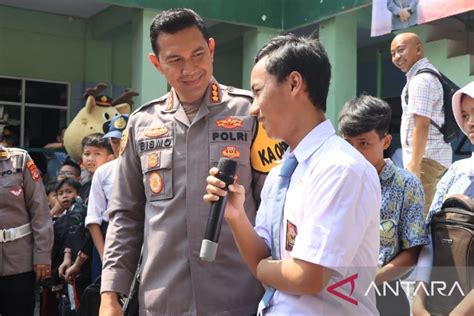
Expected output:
{"points": [[185, 59]]}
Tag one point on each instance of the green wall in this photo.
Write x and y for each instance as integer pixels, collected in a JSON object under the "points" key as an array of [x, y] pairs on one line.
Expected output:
{"points": [[55, 47]]}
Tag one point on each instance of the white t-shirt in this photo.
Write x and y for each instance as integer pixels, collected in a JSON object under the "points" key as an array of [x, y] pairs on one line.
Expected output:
{"points": [[101, 190], [332, 207]]}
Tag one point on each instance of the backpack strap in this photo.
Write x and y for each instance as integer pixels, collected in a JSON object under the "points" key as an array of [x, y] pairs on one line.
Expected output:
{"points": [[443, 83]]}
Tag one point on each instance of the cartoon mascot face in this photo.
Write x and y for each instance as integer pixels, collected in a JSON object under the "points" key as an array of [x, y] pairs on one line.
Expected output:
{"points": [[94, 118]]}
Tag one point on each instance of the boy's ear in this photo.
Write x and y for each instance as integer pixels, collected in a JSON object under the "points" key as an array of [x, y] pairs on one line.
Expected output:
{"points": [[387, 141]]}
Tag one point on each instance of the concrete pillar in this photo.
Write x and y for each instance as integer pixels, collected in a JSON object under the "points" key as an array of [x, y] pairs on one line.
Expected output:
{"points": [[339, 37], [145, 77], [253, 40]]}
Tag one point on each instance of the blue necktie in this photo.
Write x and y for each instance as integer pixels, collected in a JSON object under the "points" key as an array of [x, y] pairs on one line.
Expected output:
{"points": [[277, 215]]}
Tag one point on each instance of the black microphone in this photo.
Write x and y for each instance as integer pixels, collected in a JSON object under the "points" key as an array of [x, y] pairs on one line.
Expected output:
{"points": [[227, 169]]}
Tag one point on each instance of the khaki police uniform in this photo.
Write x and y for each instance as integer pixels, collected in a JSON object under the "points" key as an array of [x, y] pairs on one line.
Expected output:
{"points": [[161, 178], [26, 231]]}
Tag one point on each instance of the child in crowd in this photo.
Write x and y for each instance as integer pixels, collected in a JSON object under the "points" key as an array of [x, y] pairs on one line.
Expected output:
{"points": [[459, 179], [364, 122], [52, 195], [69, 169], [95, 152], [66, 190], [97, 218]]}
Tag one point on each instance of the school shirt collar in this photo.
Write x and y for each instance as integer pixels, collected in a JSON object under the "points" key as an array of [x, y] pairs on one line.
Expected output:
{"points": [[312, 141], [388, 170]]}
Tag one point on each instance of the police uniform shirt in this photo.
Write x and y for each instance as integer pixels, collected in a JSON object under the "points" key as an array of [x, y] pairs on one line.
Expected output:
{"points": [[157, 193], [23, 200]]}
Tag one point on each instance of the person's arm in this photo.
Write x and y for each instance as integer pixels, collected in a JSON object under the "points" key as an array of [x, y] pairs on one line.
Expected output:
{"points": [[41, 224], [67, 261], [74, 269], [422, 274], [398, 266], [97, 238], [56, 210], [251, 246], [412, 6], [420, 139], [393, 7], [126, 223], [465, 307], [293, 276], [96, 207]]}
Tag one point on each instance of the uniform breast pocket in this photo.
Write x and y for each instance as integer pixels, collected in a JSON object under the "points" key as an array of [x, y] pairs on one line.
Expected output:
{"points": [[12, 186], [239, 152], [157, 169]]}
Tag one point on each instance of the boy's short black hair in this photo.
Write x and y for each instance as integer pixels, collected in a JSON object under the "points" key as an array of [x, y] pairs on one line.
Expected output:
{"points": [[97, 140], [363, 114], [288, 53], [72, 163], [69, 181], [50, 187]]}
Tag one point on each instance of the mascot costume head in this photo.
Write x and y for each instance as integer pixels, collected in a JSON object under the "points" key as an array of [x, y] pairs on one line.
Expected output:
{"points": [[95, 117]]}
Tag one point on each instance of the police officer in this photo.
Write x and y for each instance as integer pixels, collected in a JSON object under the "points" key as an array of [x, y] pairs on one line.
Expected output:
{"points": [[26, 232], [166, 152]]}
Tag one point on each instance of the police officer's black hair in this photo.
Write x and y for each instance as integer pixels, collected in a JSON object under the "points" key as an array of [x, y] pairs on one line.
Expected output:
{"points": [[364, 114], [72, 163], [175, 20], [69, 181], [97, 140], [287, 53]]}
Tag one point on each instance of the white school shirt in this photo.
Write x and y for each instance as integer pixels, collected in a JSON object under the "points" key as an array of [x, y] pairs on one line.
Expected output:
{"points": [[333, 208], [101, 190]]}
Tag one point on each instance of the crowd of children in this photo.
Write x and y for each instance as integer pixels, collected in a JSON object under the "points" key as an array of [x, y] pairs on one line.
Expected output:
{"points": [[78, 212]]}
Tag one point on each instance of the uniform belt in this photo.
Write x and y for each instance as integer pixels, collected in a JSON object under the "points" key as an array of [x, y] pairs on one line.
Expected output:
{"points": [[15, 233]]}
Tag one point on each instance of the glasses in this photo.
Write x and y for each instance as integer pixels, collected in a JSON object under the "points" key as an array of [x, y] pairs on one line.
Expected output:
{"points": [[66, 174]]}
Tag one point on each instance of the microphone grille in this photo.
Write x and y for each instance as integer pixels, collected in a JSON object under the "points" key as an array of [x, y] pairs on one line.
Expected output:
{"points": [[227, 166]]}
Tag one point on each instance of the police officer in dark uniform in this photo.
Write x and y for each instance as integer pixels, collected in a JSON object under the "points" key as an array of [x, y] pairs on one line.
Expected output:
{"points": [[167, 149], [26, 232]]}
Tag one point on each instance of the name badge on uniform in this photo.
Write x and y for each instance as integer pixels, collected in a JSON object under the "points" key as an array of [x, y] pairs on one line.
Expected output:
{"points": [[291, 232]]}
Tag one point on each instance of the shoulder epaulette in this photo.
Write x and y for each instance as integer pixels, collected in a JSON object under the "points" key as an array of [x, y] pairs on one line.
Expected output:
{"points": [[18, 157], [152, 102], [241, 92]]}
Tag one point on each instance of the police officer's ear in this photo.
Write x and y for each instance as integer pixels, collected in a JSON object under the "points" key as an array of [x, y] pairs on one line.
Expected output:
{"points": [[212, 46], [154, 60]]}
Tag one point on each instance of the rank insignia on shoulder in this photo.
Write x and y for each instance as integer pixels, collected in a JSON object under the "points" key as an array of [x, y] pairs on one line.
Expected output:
{"points": [[170, 101], [266, 152], [123, 141], [35, 174], [229, 123], [155, 182], [3, 154], [230, 152], [215, 93], [154, 132]]}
